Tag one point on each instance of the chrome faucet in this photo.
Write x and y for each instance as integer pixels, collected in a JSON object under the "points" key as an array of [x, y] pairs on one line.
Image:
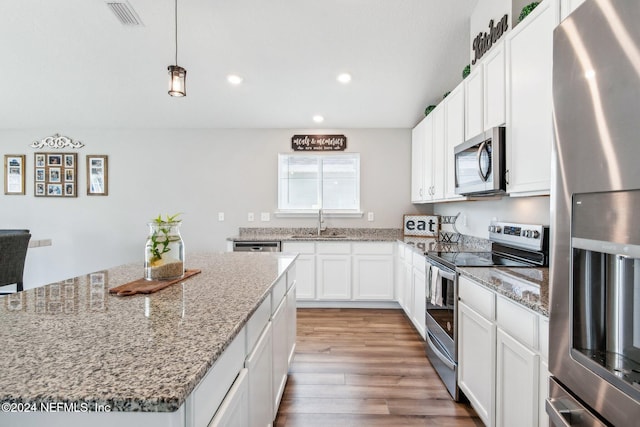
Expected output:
{"points": [[320, 221]]}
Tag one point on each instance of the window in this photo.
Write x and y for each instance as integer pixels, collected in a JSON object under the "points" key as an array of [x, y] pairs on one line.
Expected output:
{"points": [[308, 182]]}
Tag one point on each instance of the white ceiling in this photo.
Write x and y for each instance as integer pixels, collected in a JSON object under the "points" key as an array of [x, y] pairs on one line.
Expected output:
{"points": [[70, 63]]}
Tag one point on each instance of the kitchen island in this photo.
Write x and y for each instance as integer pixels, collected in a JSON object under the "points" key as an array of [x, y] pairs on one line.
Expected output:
{"points": [[72, 354]]}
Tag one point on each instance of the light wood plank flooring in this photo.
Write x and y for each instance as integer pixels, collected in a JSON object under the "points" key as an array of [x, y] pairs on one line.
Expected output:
{"points": [[360, 367]]}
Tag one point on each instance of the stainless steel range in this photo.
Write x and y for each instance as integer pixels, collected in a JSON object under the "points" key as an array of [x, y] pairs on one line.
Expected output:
{"points": [[513, 245]]}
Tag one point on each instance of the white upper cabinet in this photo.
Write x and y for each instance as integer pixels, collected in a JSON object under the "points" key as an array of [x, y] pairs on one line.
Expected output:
{"points": [[494, 86], [418, 192], [474, 103], [454, 135], [529, 56], [485, 93], [437, 159], [568, 6]]}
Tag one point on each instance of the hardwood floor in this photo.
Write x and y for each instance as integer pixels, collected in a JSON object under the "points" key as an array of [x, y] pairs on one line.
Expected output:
{"points": [[360, 367]]}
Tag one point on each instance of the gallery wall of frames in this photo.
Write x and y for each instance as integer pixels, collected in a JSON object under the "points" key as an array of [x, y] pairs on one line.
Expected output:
{"points": [[55, 173]]}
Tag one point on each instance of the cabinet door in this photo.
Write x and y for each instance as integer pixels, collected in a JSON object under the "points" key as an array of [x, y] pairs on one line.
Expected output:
{"points": [[474, 122], [454, 135], [291, 323], [234, 410], [407, 271], [305, 268], [437, 161], [517, 383], [418, 193], [494, 87], [280, 358], [529, 54], [419, 310], [334, 277], [373, 277], [399, 273], [476, 361], [543, 418], [259, 363]]}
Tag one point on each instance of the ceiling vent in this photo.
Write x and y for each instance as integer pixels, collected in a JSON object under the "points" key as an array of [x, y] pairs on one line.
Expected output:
{"points": [[125, 13]]}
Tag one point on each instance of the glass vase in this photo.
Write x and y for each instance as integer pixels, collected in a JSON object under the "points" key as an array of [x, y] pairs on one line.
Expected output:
{"points": [[164, 252]]}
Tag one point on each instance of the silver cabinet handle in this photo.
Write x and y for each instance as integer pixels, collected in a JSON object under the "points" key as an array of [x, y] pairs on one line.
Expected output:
{"points": [[506, 176], [438, 353]]}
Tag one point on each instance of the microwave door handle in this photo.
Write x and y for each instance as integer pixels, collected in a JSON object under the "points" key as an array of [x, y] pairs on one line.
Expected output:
{"points": [[483, 176]]}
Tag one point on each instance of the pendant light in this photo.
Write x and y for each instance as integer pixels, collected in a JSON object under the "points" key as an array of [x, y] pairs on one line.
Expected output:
{"points": [[177, 74]]}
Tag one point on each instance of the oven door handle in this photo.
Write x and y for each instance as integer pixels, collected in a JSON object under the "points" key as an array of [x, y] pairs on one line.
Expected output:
{"points": [[446, 274], [439, 353]]}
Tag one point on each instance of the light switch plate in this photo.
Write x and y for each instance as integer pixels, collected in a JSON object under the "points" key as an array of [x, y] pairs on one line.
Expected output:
{"points": [[370, 216], [250, 216], [264, 216], [220, 216]]}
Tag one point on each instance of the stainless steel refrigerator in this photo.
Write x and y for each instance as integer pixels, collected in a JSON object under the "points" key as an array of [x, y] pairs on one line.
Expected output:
{"points": [[594, 346]]}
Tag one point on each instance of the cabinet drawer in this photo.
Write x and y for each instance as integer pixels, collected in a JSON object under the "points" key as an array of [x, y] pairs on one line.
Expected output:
{"points": [[333, 248], [299, 247], [291, 276], [372, 248], [477, 297], [277, 293], [257, 322], [519, 322]]}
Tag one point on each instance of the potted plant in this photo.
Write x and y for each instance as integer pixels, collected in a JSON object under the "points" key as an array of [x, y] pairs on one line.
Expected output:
{"points": [[164, 251]]}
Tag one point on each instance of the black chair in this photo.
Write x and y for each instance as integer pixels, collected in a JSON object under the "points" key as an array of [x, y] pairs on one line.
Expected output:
{"points": [[13, 253]]}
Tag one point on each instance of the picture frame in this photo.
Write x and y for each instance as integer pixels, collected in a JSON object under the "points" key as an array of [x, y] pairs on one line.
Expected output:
{"points": [[55, 175], [97, 175], [14, 174]]}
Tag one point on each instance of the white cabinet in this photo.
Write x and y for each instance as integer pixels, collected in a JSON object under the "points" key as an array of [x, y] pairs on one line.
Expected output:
{"points": [[454, 135], [418, 148], [419, 303], [494, 87], [234, 410], [373, 271], [407, 273], [280, 360], [291, 323], [399, 274], [517, 383], [305, 268], [259, 364], [334, 271], [485, 93], [568, 6], [474, 104], [436, 159], [501, 357], [529, 133], [477, 347]]}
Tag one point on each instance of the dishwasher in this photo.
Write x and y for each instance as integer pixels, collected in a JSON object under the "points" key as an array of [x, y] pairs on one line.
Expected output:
{"points": [[256, 246]]}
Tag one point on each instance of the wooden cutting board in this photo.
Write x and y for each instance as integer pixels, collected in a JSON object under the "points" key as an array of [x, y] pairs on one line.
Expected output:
{"points": [[142, 286]]}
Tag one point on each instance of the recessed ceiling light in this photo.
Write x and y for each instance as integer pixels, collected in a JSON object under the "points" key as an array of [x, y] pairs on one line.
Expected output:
{"points": [[344, 78], [234, 79], [318, 118]]}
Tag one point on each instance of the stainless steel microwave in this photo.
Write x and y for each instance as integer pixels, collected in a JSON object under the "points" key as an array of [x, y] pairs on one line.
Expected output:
{"points": [[480, 164]]}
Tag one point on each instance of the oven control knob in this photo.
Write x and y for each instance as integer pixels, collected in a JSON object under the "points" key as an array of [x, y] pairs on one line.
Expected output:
{"points": [[498, 229], [535, 234], [526, 233], [491, 227]]}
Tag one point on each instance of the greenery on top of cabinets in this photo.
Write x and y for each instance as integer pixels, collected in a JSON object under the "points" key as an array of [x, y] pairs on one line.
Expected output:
{"points": [[527, 10], [466, 71]]}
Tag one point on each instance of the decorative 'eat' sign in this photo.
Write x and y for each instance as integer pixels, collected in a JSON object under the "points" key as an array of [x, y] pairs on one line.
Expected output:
{"points": [[421, 225], [319, 142]]}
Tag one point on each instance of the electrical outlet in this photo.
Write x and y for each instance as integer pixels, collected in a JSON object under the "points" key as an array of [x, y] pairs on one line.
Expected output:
{"points": [[264, 216], [250, 217], [370, 216], [220, 216]]}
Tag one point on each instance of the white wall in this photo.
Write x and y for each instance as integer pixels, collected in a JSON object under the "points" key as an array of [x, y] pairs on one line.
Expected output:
{"points": [[197, 172], [485, 11], [531, 210]]}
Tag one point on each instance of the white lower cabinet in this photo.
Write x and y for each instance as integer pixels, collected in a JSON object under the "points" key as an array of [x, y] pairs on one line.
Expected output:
{"points": [[344, 271], [234, 410], [280, 366], [291, 322], [517, 383], [476, 350], [501, 357], [259, 364], [418, 313]]}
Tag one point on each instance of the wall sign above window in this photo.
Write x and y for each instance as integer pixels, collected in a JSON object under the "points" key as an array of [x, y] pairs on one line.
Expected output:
{"points": [[318, 142], [483, 41]]}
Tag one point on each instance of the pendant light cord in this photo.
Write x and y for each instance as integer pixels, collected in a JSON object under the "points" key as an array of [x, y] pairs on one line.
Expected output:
{"points": [[176, 15]]}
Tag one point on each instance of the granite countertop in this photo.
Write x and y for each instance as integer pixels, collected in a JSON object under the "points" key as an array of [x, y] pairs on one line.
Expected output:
{"points": [[310, 234], [73, 342], [527, 286]]}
